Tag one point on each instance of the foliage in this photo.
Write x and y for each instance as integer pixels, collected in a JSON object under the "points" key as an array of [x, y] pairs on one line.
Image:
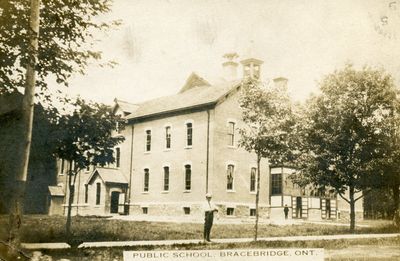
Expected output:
{"points": [[85, 136], [267, 113], [67, 34], [347, 131]]}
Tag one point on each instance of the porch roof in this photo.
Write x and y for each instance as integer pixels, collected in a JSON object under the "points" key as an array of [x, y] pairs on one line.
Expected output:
{"points": [[108, 175], [56, 191]]}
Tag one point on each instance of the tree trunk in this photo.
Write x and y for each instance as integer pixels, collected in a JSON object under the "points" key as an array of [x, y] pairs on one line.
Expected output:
{"points": [[352, 209], [396, 201], [21, 172], [257, 197], [71, 188]]}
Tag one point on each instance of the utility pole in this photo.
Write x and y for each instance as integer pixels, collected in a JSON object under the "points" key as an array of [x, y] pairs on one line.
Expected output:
{"points": [[21, 171]]}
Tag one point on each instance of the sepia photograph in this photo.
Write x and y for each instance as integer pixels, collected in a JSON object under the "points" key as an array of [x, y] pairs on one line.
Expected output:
{"points": [[201, 130]]}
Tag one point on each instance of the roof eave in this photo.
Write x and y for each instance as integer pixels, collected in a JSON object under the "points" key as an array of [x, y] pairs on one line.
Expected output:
{"points": [[205, 105]]}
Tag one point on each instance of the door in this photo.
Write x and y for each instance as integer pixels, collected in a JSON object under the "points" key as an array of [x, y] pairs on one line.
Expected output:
{"points": [[298, 207], [114, 202], [328, 208]]}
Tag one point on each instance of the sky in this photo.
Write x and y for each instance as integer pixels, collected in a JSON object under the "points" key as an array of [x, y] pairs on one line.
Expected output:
{"points": [[161, 42]]}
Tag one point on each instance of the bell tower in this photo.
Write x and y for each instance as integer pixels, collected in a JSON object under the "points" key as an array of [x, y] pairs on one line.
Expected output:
{"points": [[251, 68]]}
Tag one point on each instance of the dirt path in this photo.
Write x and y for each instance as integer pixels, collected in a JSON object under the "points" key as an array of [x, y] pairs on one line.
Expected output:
{"points": [[364, 252]]}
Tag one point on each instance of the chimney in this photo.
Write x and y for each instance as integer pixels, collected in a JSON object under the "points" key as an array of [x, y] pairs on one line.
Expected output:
{"points": [[281, 82], [252, 68], [230, 66]]}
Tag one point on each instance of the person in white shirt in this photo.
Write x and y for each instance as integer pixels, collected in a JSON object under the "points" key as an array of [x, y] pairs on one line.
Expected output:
{"points": [[209, 209]]}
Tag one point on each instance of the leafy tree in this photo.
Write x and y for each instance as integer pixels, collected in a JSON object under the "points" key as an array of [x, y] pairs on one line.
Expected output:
{"points": [[27, 58], [347, 132], [267, 113], [66, 40], [85, 139]]}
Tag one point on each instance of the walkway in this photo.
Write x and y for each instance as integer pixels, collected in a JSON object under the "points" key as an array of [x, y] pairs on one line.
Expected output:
{"points": [[197, 241]]}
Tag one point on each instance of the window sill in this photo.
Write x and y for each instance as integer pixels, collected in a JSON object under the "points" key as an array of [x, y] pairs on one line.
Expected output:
{"points": [[165, 192], [188, 147], [145, 192], [253, 192], [147, 152], [232, 147], [166, 150], [187, 191], [231, 191], [61, 174]]}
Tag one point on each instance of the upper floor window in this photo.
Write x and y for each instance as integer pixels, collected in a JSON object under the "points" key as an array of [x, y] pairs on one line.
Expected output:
{"points": [[276, 183], [117, 127], [62, 166], [189, 134], [86, 193], [231, 133], [166, 178], [229, 177], [146, 180], [168, 137], [188, 177], [98, 193], [148, 140], [253, 179], [117, 157]]}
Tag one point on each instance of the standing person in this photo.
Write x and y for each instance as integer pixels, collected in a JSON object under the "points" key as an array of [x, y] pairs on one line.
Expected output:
{"points": [[286, 211], [209, 209]]}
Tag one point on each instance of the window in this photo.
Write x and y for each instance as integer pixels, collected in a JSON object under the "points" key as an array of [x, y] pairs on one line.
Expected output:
{"points": [[252, 212], [148, 140], [87, 168], [117, 157], [98, 192], [276, 184], [230, 211], [117, 127], [62, 166], [168, 137], [253, 179], [145, 210], [86, 193], [166, 178], [188, 177], [231, 133], [186, 210], [146, 180], [229, 177], [189, 134]]}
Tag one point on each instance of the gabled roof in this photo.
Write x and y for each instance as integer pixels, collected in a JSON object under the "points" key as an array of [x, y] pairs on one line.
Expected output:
{"points": [[108, 175], [56, 191], [125, 106], [192, 81], [192, 98]]}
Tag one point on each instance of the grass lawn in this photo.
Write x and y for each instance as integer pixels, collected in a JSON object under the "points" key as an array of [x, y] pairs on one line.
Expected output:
{"points": [[40, 228]]}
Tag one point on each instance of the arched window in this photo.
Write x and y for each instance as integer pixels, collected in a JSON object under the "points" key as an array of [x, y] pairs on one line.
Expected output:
{"points": [[188, 177], [146, 180], [229, 176]]}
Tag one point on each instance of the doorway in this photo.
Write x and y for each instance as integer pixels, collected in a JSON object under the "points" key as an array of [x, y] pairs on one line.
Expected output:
{"points": [[298, 207], [114, 202], [328, 208]]}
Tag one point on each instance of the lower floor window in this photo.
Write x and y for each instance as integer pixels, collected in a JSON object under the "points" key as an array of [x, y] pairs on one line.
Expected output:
{"points": [[230, 211], [145, 210], [186, 210], [252, 212]]}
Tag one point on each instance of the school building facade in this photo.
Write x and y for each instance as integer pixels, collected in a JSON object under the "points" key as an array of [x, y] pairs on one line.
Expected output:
{"points": [[178, 148]]}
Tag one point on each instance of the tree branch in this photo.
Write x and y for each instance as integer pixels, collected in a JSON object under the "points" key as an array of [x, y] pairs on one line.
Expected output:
{"points": [[340, 194]]}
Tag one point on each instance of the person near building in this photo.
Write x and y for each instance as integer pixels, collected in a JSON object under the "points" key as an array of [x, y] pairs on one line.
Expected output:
{"points": [[209, 209], [286, 211]]}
